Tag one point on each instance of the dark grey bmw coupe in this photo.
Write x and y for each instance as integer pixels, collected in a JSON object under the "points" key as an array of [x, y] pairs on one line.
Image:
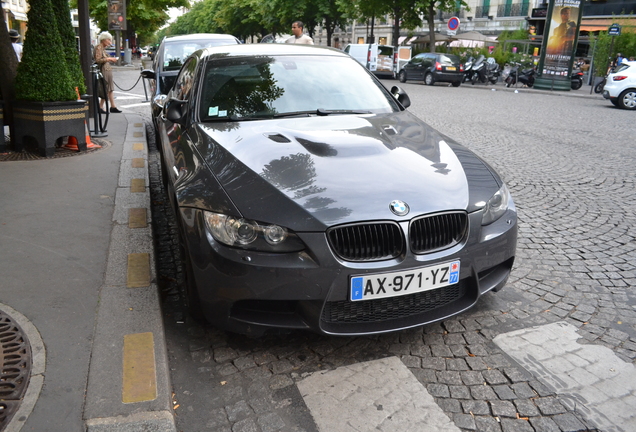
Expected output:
{"points": [[307, 197]]}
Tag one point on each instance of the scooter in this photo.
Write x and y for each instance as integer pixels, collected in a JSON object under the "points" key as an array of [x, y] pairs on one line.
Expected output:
{"points": [[485, 71], [468, 68], [577, 79], [525, 77]]}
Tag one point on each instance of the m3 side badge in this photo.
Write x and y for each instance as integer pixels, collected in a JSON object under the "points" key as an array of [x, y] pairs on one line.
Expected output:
{"points": [[399, 208]]}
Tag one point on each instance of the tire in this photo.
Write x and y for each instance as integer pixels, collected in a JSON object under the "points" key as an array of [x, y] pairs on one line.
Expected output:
{"points": [[508, 82], [428, 79], [577, 84], [456, 83], [599, 87], [402, 76], [493, 80], [627, 99]]}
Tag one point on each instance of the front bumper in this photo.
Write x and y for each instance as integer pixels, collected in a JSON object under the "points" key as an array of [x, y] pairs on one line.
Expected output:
{"points": [[250, 292]]}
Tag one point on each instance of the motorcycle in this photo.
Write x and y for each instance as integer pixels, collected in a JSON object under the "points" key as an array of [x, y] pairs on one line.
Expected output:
{"points": [[598, 88], [468, 69], [577, 79], [525, 76], [485, 71]]}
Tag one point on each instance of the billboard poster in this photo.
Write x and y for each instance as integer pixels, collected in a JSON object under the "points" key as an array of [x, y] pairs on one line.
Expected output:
{"points": [[116, 15], [559, 43]]}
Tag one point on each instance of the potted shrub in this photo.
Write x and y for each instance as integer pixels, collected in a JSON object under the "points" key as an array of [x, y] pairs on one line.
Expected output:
{"points": [[47, 106]]}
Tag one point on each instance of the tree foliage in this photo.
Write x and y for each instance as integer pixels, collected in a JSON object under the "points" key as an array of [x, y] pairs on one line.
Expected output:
{"points": [[43, 74], [144, 17], [69, 43]]}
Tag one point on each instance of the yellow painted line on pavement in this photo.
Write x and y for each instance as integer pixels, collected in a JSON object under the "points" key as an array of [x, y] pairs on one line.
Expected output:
{"points": [[137, 218], [137, 185], [138, 124], [138, 146], [138, 134], [139, 374], [138, 163], [138, 274]]}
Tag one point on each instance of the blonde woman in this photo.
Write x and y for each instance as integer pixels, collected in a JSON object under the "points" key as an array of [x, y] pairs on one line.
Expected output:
{"points": [[104, 61]]}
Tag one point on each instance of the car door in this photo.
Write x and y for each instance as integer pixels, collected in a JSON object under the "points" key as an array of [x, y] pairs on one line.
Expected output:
{"points": [[414, 67], [428, 63], [175, 142]]}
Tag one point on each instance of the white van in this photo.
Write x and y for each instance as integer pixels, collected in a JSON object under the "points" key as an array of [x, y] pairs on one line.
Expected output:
{"points": [[379, 59]]}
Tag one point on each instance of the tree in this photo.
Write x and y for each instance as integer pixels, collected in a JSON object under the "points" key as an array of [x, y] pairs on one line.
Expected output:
{"points": [[43, 73], [144, 17], [69, 43]]}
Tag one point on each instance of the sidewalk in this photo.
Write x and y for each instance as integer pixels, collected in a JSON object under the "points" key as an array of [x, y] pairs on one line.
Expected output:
{"points": [[77, 267]]}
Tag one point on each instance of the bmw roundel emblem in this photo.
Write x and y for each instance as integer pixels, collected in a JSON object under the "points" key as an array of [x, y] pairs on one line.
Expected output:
{"points": [[400, 208]]}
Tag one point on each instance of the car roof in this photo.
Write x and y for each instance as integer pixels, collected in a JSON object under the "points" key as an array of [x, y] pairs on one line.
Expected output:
{"points": [[247, 50], [198, 36]]}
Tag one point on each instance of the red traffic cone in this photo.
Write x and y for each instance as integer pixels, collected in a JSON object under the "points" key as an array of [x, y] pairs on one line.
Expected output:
{"points": [[72, 144], [89, 144]]}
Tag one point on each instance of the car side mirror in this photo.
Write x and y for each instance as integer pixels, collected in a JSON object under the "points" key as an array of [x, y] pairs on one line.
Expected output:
{"points": [[175, 111], [148, 74], [401, 96]]}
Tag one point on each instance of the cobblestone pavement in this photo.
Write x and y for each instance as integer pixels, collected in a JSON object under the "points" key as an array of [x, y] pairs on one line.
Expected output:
{"points": [[568, 162]]}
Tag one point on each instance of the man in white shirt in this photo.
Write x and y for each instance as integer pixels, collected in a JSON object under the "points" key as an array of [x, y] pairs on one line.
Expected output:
{"points": [[298, 36], [15, 37]]}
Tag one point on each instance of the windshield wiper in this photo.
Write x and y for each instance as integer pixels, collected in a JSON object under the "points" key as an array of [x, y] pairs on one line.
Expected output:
{"points": [[326, 112]]}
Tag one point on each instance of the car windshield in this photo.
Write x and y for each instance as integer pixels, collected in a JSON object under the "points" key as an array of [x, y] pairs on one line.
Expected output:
{"points": [[267, 87], [177, 52]]}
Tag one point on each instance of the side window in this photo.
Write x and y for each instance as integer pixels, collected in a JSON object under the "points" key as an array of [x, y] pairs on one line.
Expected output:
{"points": [[185, 80]]}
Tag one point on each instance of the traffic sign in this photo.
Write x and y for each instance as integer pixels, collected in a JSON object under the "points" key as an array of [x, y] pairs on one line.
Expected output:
{"points": [[453, 24], [614, 30]]}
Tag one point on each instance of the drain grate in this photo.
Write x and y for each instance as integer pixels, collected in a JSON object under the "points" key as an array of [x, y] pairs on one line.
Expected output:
{"points": [[15, 367], [31, 153]]}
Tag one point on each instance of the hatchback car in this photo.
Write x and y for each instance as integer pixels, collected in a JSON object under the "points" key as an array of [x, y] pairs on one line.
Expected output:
{"points": [[432, 68], [169, 57], [620, 88], [308, 197]]}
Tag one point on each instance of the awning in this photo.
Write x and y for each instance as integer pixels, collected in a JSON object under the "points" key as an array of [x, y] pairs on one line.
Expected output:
{"points": [[18, 16], [602, 24]]}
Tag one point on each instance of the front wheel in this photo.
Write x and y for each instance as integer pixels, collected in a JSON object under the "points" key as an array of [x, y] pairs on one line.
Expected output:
{"points": [[599, 87], [627, 99], [493, 80], [428, 79], [402, 76]]}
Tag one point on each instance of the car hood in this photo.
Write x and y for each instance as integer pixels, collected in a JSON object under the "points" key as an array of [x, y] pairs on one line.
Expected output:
{"points": [[314, 172]]}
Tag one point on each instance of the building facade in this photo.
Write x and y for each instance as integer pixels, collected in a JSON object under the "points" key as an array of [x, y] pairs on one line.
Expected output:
{"points": [[491, 18]]}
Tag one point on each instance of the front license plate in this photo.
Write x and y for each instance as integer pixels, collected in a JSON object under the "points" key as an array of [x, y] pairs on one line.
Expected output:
{"points": [[370, 287], [451, 68]]}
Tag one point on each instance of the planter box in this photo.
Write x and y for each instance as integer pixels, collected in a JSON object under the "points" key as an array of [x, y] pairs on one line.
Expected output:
{"points": [[46, 122]]}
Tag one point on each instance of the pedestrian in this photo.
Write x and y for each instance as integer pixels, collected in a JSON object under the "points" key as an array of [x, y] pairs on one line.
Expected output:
{"points": [[101, 57], [298, 36], [15, 37], [619, 59]]}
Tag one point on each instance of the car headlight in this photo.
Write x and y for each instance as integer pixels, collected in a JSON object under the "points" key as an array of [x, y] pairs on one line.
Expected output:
{"points": [[496, 206], [249, 234]]}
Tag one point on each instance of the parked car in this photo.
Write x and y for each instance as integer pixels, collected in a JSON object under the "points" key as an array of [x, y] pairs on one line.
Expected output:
{"points": [[620, 88], [432, 68], [308, 197], [379, 59], [275, 38], [169, 57]]}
